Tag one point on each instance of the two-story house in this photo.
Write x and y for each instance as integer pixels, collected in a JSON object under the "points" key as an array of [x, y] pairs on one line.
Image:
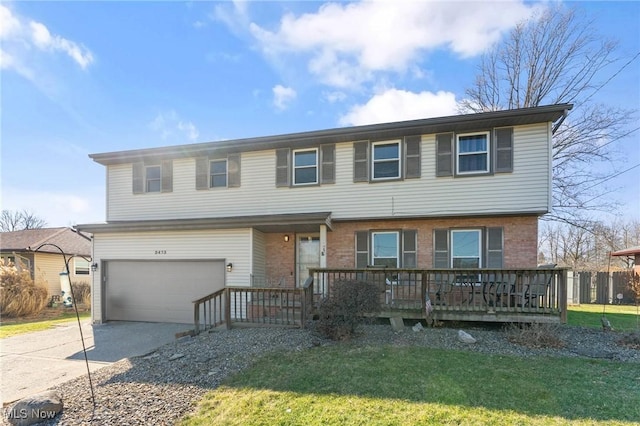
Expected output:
{"points": [[183, 221]]}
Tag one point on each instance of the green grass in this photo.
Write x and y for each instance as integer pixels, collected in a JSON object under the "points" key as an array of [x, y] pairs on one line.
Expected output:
{"points": [[347, 385], [14, 329], [621, 317]]}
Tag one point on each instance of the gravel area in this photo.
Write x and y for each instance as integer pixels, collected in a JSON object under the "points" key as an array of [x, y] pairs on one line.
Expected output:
{"points": [[161, 387]]}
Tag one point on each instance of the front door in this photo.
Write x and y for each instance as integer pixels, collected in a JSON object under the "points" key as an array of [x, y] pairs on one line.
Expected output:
{"points": [[308, 256]]}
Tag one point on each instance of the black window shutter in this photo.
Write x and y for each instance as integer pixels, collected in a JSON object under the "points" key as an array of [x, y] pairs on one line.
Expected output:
{"points": [[167, 175], [362, 249], [441, 248], [444, 154], [138, 177], [328, 160], [233, 170], [504, 150], [282, 167], [202, 173], [361, 161], [412, 156], [494, 255], [409, 249]]}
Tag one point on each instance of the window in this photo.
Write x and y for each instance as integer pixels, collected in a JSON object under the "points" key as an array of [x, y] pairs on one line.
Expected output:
{"points": [[218, 174], [310, 166], [473, 153], [305, 167], [153, 178], [156, 176], [81, 266], [385, 249], [385, 160], [466, 248], [391, 249]]}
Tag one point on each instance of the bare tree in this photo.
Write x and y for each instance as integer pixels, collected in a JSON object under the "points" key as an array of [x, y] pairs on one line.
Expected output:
{"points": [[558, 57], [588, 247], [20, 220]]}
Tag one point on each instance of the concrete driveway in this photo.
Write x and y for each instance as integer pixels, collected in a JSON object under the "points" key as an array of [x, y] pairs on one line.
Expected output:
{"points": [[34, 362]]}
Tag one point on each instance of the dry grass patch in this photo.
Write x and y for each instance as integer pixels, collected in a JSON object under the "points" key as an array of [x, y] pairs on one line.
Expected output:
{"points": [[19, 295], [535, 335]]}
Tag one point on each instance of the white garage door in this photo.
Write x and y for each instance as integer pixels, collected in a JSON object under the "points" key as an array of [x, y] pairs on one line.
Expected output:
{"points": [[158, 291]]}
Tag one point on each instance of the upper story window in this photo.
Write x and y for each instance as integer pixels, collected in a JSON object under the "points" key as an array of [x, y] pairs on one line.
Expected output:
{"points": [[305, 167], [473, 153], [153, 178], [385, 160], [81, 266], [218, 173]]}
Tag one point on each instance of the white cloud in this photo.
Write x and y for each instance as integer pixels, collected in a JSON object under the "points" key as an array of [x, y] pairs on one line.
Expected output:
{"points": [[43, 39], [348, 42], [336, 96], [58, 208], [399, 105], [189, 129], [20, 36], [234, 15], [282, 96], [171, 126], [9, 24]]}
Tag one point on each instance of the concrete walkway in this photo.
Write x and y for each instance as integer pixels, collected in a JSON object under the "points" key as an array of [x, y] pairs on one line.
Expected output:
{"points": [[34, 362]]}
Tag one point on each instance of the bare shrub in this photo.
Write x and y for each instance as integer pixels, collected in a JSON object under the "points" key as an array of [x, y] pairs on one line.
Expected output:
{"points": [[631, 339], [19, 295], [350, 303], [81, 293], [535, 335]]}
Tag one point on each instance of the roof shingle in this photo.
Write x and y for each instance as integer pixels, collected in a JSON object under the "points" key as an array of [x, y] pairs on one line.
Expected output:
{"points": [[69, 240]]}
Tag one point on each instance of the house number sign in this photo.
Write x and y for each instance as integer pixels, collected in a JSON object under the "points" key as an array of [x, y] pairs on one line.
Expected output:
{"points": [[161, 252]]}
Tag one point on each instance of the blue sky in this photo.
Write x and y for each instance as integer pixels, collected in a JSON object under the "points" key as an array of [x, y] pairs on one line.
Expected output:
{"points": [[89, 77]]}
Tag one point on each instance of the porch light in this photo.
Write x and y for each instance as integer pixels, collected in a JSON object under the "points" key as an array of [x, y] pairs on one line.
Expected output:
{"points": [[229, 266], [286, 238], [94, 267]]}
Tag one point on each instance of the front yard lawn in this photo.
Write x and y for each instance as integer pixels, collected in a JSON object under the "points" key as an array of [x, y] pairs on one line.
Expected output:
{"points": [[48, 318], [621, 317], [348, 385]]}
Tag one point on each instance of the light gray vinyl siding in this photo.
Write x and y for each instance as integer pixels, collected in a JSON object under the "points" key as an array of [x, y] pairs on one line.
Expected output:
{"points": [[232, 245], [525, 190]]}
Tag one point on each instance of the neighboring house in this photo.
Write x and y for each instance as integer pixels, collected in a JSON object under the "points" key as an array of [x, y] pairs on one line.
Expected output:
{"points": [[185, 221], [46, 264], [633, 256]]}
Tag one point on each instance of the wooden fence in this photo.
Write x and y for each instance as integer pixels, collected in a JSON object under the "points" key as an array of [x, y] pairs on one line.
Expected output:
{"points": [[604, 287]]}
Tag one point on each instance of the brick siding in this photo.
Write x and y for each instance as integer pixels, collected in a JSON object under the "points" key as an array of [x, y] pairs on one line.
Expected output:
{"points": [[280, 262], [520, 238], [520, 234]]}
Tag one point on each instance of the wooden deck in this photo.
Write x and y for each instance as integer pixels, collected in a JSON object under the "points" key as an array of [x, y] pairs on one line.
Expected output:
{"points": [[493, 295]]}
